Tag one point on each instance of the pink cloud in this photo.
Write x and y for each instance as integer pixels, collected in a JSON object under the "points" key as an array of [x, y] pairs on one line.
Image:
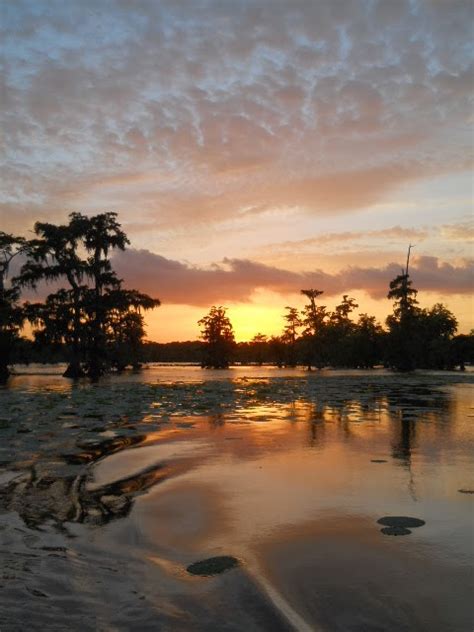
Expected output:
{"points": [[300, 104], [236, 279]]}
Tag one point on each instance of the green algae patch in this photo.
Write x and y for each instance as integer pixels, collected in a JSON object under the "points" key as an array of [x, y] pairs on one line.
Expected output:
{"points": [[213, 565]]}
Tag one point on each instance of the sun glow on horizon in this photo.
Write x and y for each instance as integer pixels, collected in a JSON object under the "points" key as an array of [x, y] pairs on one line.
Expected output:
{"points": [[265, 314]]}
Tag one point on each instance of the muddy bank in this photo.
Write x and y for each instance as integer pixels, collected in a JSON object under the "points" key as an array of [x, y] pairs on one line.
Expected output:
{"points": [[49, 582]]}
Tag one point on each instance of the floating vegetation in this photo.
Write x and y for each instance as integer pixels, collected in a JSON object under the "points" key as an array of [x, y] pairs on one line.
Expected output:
{"points": [[378, 461], [466, 491], [395, 531], [399, 525], [213, 565], [401, 521]]}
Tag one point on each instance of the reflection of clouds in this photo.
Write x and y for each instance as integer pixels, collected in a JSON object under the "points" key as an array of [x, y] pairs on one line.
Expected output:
{"points": [[313, 104], [239, 420]]}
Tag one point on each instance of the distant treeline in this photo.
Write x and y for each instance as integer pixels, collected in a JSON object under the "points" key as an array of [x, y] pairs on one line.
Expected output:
{"points": [[317, 337], [30, 351], [95, 325], [359, 353]]}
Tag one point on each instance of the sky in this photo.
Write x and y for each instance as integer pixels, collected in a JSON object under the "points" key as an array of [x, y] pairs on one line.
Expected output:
{"points": [[251, 148]]}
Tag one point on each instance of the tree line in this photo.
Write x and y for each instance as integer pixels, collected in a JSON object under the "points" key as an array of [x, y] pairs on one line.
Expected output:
{"points": [[316, 337], [94, 324]]}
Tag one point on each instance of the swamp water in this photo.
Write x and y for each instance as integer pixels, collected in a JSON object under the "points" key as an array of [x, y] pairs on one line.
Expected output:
{"points": [[110, 492]]}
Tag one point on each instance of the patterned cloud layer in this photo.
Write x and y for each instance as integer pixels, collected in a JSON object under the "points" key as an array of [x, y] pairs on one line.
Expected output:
{"points": [[185, 112]]}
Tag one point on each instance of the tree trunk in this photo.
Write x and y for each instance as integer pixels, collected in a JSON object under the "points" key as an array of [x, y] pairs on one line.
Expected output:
{"points": [[74, 370], [4, 372], [5, 354]]}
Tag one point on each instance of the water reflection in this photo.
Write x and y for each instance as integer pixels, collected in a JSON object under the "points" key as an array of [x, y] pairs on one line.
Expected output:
{"points": [[288, 473], [54, 433], [404, 439]]}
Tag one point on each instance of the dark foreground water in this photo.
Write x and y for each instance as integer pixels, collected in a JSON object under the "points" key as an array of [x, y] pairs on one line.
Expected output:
{"points": [[109, 492]]}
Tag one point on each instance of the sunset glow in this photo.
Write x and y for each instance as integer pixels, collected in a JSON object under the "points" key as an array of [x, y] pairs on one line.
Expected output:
{"points": [[251, 150], [236, 315]]}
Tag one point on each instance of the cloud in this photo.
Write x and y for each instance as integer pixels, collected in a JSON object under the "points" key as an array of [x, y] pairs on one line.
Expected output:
{"points": [[182, 115], [234, 280], [461, 231], [182, 283], [394, 233]]}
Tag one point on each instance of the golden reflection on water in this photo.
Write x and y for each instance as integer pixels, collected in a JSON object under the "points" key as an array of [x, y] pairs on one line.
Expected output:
{"points": [[46, 383], [341, 449], [288, 475], [285, 464], [294, 460]]}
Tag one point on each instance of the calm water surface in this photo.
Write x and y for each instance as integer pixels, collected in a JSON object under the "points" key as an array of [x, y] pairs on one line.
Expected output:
{"points": [[108, 492]]}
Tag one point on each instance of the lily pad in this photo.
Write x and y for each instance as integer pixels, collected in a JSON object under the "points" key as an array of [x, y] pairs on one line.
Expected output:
{"points": [[213, 565], [401, 522], [378, 460], [395, 531], [466, 491]]}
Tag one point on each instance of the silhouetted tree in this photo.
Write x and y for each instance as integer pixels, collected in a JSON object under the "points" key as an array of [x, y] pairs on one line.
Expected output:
{"points": [[339, 333], [123, 327], [100, 234], [53, 255], [402, 323], [313, 338], [366, 344], [55, 325], [435, 328], [218, 334], [95, 313], [11, 314], [290, 335], [277, 350], [462, 350], [418, 338], [258, 346], [95, 323]]}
